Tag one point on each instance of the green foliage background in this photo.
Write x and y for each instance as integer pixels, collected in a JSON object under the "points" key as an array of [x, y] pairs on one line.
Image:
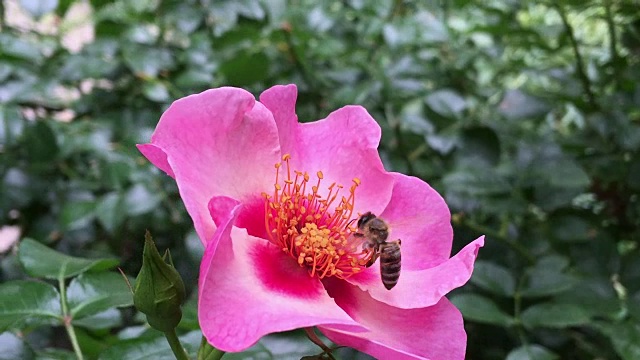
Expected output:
{"points": [[525, 115]]}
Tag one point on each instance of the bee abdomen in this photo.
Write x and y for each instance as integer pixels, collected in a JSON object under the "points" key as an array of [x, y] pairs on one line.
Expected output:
{"points": [[390, 264]]}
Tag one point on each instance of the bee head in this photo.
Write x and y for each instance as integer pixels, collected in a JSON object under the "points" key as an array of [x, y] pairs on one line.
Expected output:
{"points": [[365, 218]]}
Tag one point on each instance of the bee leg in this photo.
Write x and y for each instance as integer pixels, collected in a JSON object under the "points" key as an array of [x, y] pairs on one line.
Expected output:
{"points": [[373, 259]]}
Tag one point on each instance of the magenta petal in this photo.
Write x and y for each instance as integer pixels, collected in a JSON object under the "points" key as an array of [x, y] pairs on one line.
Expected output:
{"points": [[157, 157], [281, 101], [421, 288], [250, 214], [344, 146], [418, 216], [435, 332], [249, 288], [219, 142]]}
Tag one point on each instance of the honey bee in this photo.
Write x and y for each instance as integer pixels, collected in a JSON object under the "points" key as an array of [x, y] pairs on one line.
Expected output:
{"points": [[376, 232]]}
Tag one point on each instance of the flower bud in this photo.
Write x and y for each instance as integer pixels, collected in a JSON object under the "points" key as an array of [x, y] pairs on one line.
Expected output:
{"points": [[159, 290]]}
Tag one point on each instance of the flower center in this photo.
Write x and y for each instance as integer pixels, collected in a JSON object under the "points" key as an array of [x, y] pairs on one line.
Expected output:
{"points": [[304, 225]]}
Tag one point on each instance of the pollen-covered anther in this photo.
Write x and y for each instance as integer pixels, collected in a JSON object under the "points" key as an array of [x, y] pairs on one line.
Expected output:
{"points": [[305, 224]]}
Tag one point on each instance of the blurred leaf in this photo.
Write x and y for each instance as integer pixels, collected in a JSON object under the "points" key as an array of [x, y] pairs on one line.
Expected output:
{"points": [[77, 214], [82, 66], [518, 105], [91, 293], [11, 126], [634, 305], [14, 347], [43, 147], [289, 346], [28, 303], [156, 91], [531, 352], [111, 211], [17, 187], [39, 260], [318, 19], [484, 101], [246, 68], [596, 296], [139, 200], [256, 352], [91, 345], [189, 319], [548, 277], [395, 36], [156, 348], [37, 8], [493, 278], [633, 179], [442, 143], [568, 174], [446, 102], [286, 346], [481, 309], [185, 17], [147, 61], [475, 183], [194, 246], [430, 28], [625, 337], [571, 228], [55, 354], [20, 48], [479, 147], [103, 320], [554, 315]]}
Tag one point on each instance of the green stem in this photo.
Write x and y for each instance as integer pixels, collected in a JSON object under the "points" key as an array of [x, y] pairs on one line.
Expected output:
{"points": [[208, 352], [65, 314], [580, 68], [517, 310], [176, 346], [311, 334], [612, 37]]}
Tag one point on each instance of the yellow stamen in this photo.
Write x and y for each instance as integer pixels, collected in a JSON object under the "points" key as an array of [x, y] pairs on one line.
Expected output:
{"points": [[310, 229]]}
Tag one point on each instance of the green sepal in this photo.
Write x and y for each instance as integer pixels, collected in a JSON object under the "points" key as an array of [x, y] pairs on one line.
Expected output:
{"points": [[159, 291]]}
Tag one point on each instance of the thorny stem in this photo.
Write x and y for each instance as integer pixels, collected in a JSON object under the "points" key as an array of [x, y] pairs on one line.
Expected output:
{"points": [[65, 314], [311, 334], [176, 346], [580, 69]]}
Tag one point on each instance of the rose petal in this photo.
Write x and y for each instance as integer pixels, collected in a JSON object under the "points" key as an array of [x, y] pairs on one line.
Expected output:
{"points": [[281, 101], [249, 288], [157, 157], [219, 142], [435, 332], [344, 146], [250, 214], [421, 288], [418, 216]]}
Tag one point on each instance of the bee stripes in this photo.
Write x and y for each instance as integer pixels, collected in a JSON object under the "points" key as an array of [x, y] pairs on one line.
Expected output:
{"points": [[390, 263], [375, 232]]}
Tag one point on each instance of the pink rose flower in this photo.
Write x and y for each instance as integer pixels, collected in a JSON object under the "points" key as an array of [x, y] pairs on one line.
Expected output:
{"points": [[274, 201]]}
